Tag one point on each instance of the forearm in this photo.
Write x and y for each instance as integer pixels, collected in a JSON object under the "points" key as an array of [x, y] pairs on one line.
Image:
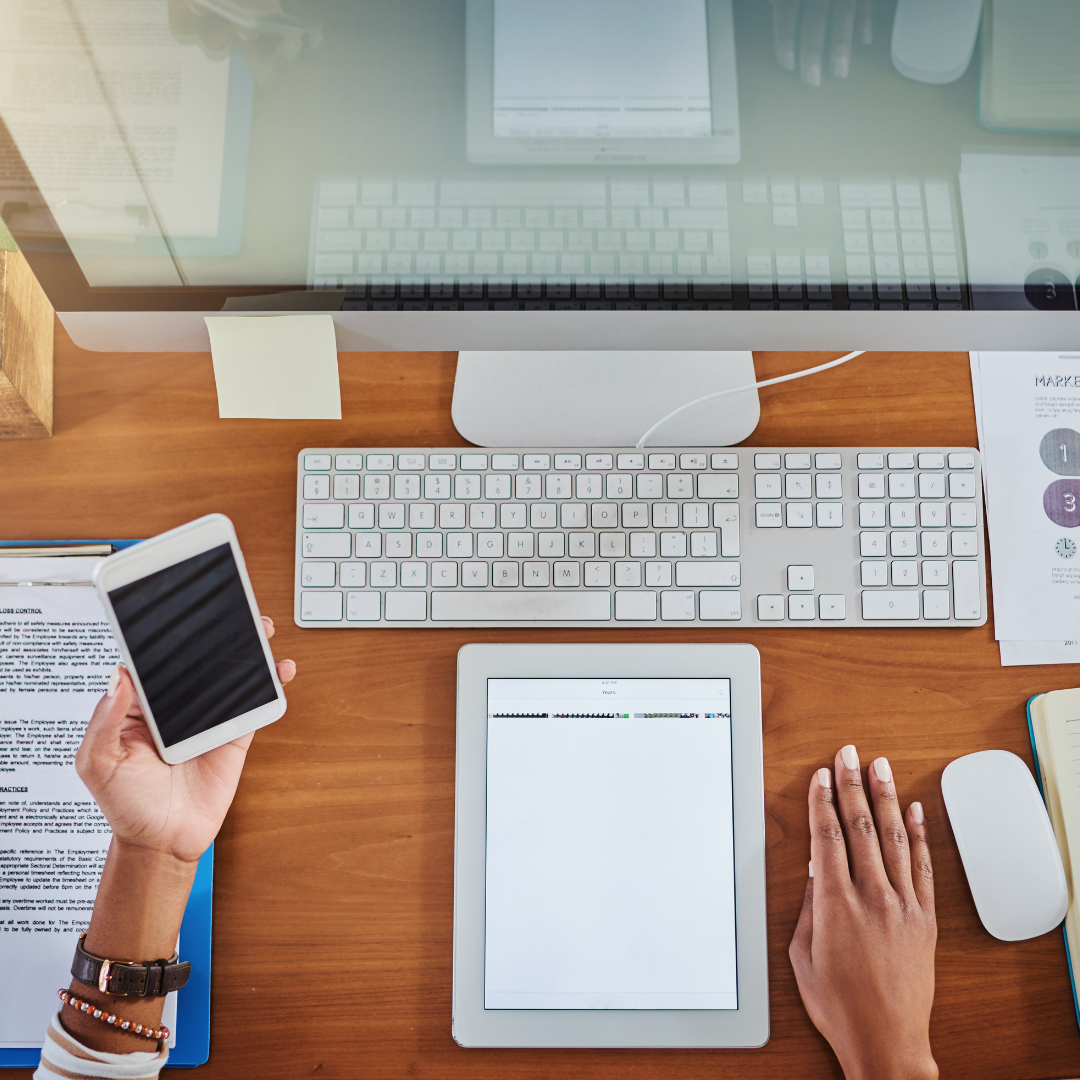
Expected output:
{"points": [[137, 914]]}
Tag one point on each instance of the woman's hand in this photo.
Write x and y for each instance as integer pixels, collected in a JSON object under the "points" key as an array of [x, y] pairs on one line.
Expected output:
{"points": [[173, 810], [863, 950]]}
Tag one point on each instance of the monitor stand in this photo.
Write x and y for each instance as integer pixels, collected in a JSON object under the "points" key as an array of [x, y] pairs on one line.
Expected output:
{"points": [[602, 398]]}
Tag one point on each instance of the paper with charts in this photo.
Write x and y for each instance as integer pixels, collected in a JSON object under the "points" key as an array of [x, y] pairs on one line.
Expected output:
{"points": [[1030, 440]]}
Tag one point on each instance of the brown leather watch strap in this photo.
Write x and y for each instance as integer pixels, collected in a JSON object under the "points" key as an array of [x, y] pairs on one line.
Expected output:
{"points": [[154, 978]]}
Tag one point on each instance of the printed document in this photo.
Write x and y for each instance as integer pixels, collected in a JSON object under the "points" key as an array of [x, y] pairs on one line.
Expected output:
{"points": [[1028, 409], [56, 654]]}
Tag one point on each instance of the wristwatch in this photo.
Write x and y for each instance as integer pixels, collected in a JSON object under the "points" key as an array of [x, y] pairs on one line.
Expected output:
{"points": [[154, 978]]}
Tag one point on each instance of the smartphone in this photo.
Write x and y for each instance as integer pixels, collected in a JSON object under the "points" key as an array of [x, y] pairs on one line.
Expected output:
{"points": [[188, 628]]}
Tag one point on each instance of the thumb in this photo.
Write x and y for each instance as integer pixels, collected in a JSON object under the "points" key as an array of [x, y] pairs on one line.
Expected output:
{"points": [[100, 747], [801, 941]]}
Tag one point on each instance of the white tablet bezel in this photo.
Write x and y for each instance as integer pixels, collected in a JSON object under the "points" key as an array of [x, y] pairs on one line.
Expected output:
{"points": [[159, 553], [475, 1026], [483, 148]]}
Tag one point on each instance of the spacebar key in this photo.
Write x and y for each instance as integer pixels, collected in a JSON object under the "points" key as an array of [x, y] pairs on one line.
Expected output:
{"points": [[520, 607]]}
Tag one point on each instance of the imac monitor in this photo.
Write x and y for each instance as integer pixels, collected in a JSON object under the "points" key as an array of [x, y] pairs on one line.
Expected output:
{"points": [[504, 178]]}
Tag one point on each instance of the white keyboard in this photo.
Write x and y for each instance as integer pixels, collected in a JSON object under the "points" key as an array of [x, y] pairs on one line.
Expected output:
{"points": [[792, 536]]}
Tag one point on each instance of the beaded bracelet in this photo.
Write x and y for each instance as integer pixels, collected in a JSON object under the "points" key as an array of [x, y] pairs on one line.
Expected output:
{"points": [[107, 1017]]}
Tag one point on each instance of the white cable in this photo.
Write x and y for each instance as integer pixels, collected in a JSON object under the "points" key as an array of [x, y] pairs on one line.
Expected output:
{"points": [[742, 389]]}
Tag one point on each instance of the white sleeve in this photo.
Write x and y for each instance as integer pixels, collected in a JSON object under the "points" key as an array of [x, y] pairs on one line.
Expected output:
{"points": [[64, 1056]]}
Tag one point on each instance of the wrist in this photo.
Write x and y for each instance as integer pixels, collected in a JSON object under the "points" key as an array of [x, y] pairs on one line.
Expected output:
{"points": [[916, 1066]]}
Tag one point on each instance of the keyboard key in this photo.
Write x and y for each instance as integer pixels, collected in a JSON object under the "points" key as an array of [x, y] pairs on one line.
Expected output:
{"points": [[725, 461], [890, 605], [830, 516], [703, 544], [902, 543], [796, 461], [798, 487], [935, 544], [770, 608], [726, 518], [768, 516], [902, 515], [871, 515], [693, 461], [931, 461], [346, 486], [597, 575], [399, 545], [872, 544], [766, 461], [935, 572], [714, 574], [722, 606], [380, 462], [832, 607], [871, 487], [569, 462], [800, 516], [383, 574], [631, 461], [673, 545], [677, 606], [444, 575], [349, 463], [505, 461], [317, 575], [962, 515], [766, 486], [324, 516], [871, 461], [800, 578], [961, 461], [362, 606], [441, 462], [475, 575], [967, 596], [931, 486], [715, 485], [473, 462], [407, 607], [901, 461], [369, 545], [326, 545], [353, 575], [520, 607], [376, 487], [905, 573], [413, 574], [932, 516], [658, 574], [536, 462], [801, 608], [535, 574], [598, 461], [320, 606], [316, 461], [316, 487], [901, 486], [961, 486], [661, 461], [874, 573], [936, 604], [412, 462], [827, 461], [504, 575], [635, 606], [965, 543]]}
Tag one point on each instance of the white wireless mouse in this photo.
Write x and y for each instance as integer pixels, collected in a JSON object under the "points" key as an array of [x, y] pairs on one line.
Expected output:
{"points": [[933, 40], [1007, 844]]}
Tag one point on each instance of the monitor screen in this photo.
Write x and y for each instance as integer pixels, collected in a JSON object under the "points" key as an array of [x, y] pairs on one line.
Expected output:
{"points": [[610, 868], [498, 155]]}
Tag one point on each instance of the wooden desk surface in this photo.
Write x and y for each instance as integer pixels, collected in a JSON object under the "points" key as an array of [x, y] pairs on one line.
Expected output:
{"points": [[334, 883]]}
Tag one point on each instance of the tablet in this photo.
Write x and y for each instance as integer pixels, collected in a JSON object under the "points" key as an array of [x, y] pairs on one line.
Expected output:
{"points": [[605, 82], [609, 856]]}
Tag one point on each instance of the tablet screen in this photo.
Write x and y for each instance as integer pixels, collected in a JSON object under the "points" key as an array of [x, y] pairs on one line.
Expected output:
{"points": [[610, 873]]}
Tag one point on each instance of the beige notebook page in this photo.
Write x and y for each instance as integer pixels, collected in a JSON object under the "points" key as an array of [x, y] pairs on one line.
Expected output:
{"points": [[1056, 723]]}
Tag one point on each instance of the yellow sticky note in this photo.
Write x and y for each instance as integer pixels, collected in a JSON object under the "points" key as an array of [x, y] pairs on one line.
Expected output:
{"points": [[280, 367]]}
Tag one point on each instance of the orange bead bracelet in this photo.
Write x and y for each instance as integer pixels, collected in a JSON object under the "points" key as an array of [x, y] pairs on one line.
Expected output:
{"points": [[106, 1017]]}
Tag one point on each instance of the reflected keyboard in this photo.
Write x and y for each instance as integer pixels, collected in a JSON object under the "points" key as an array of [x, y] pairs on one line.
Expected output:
{"points": [[788, 536]]}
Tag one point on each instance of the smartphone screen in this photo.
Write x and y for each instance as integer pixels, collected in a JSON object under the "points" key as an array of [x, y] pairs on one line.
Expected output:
{"points": [[194, 645]]}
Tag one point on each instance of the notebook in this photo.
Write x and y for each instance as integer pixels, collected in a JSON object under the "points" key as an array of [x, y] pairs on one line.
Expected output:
{"points": [[1054, 727], [52, 837]]}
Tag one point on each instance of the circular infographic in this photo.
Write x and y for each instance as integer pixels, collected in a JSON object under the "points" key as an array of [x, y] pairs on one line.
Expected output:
{"points": [[1065, 547], [1060, 451], [1049, 290], [1038, 250], [1061, 501]]}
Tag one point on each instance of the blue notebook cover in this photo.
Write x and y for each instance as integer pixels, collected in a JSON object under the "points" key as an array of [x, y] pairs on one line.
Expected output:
{"points": [[1038, 780], [193, 1001]]}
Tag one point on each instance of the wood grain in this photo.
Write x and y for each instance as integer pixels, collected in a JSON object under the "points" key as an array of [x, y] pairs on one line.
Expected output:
{"points": [[26, 352], [334, 883]]}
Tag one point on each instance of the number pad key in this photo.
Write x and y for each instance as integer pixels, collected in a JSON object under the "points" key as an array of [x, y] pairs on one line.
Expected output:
{"points": [[905, 573]]}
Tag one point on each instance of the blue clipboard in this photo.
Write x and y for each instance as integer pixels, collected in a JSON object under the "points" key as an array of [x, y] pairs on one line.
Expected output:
{"points": [[1038, 780], [193, 1001]]}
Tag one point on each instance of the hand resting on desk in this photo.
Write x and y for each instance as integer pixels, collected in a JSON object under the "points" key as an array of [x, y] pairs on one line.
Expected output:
{"points": [[163, 818], [863, 950]]}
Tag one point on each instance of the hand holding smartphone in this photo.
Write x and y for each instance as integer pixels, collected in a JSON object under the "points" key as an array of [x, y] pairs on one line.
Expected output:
{"points": [[187, 625]]}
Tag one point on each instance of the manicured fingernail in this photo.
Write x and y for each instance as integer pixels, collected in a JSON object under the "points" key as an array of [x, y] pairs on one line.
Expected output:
{"points": [[841, 67], [883, 770], [811, 867], [269, 620], [813, 75], [850, 757], [824, 778], [917, 815], [114, 681]]}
